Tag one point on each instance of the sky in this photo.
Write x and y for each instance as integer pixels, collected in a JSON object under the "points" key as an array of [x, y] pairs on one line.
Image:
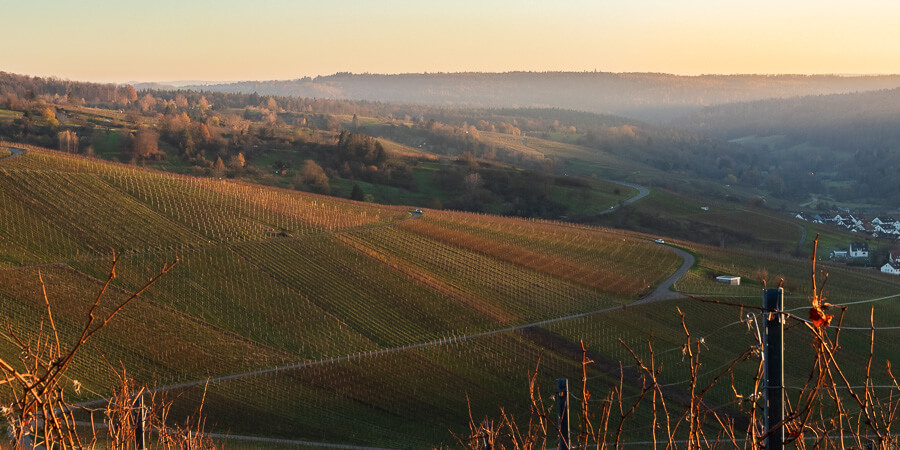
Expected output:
{"points": [[230, 40]]}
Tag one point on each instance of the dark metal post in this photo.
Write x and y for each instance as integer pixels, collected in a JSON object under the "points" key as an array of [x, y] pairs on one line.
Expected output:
{"points": [[562, 410], [773, 357], [139, 415]]}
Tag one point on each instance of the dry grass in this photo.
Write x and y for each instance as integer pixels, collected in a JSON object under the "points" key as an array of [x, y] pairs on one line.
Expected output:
{"points": [[830, 411]]}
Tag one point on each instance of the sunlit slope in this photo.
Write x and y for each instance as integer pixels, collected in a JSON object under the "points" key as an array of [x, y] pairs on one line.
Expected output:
{"points": [[325, 320], [270, 277], [58, 207]]}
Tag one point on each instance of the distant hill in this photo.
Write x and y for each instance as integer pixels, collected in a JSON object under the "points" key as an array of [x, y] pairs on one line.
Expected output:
{"points": [[851, 138], [647, 96], [825, 120]]}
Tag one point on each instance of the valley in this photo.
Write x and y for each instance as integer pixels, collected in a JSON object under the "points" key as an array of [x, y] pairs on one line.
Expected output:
{"points": [[357, 273], [289, 308]]}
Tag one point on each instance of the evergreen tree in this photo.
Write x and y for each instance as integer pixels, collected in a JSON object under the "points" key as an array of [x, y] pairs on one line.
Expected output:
{"points": [[218, 169], [357, 193]]}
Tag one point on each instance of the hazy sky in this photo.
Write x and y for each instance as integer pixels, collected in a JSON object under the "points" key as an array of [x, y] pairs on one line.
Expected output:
{"points": [[167, 40]]}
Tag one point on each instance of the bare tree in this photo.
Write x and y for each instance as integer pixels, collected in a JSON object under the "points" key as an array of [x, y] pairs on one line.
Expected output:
{"points": [[312, 176], [146, 144]]}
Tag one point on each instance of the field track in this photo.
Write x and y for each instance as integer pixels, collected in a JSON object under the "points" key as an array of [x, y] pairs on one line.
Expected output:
{"points": [[661, 293]]}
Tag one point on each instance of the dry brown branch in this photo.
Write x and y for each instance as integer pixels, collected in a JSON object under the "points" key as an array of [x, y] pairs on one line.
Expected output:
{"points": [[40, 414], [818, 416], [587, 429]]}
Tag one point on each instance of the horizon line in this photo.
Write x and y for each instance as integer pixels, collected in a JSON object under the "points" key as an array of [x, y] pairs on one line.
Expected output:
{"points": [[197, 81]]}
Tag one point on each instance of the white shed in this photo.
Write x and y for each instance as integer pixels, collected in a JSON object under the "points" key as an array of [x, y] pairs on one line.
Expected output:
{"points": [[728, 279]]}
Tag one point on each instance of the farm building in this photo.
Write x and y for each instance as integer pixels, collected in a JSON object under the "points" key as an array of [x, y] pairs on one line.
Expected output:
{"points": [[839, 254], [728, 279]]}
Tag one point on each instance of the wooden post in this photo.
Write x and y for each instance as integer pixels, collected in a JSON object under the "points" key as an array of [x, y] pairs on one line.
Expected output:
{"points": [[773, 361], [562, 410]]}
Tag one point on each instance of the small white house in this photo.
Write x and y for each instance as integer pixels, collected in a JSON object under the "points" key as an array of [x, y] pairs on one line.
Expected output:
{"points": [[891, 268], [839, 254], [728, 279], [859, 250]]}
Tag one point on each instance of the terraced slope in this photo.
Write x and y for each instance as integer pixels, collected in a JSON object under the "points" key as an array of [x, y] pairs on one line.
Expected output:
{"points": [[321, 320], [271, 278]]}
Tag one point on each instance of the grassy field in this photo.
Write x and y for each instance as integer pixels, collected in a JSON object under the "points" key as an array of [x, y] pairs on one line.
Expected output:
{"points": [[600, 197], [325, 320], [6, 114]]}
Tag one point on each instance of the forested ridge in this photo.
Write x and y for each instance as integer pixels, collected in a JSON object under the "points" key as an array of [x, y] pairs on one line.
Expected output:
{"points": [[646, 96], [840, 145], [853, 138]]}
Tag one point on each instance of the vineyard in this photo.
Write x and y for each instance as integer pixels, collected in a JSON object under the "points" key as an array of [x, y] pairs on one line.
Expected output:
{"points": [[310, 318]]}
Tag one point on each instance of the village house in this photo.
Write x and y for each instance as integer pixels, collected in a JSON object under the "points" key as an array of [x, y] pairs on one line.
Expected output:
{"points": [[886, 228], [884, 220], [891, 268], [894, 256], [859, 250]]}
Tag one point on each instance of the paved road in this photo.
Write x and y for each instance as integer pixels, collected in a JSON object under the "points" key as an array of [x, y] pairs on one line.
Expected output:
{"points": [[15, 151], [642, 192], [663, 291], [814, 199]]}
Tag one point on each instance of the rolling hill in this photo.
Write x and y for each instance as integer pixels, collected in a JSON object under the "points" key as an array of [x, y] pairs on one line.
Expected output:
{"points": [[312, 319]]}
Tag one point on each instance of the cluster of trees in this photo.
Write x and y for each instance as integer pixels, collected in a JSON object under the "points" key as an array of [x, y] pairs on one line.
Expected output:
{"points": [[491, 188], [359, 157], [842, 145], [15, 89], [313, 178], [209, 129], [39, 124]]}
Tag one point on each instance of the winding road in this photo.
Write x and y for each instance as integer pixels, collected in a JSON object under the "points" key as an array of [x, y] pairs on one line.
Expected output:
{"points": [[664, 290], [15, 152], [642, 192], [661, 293]]}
